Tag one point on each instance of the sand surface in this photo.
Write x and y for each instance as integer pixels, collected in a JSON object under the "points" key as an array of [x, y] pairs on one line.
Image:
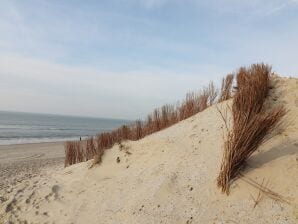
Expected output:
{"points": [[169, 177], [19, 163]]}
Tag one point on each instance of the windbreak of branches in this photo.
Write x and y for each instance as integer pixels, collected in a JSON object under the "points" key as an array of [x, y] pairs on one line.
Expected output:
{"points": [[252, 124], [161, 118]]}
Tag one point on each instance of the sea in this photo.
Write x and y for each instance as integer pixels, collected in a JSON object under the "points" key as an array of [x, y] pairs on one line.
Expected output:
{"points": [[20, 128]]}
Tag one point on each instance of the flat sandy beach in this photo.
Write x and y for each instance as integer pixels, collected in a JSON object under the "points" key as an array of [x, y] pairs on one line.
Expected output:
{"points": [[23, 161]]}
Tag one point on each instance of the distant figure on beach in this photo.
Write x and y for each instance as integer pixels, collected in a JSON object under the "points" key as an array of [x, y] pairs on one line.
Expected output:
{"points": [[80, 138]]}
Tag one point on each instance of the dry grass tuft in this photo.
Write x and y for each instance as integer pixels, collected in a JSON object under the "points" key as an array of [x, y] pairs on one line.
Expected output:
{"points": [[74, 152], [259, 197], [252, 124], [226, 88], [263, 190], [90, 148], [70, 157]]}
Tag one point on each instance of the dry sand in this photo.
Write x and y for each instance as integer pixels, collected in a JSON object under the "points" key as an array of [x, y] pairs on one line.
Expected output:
{"points": [[19, 163], [169, 177]]}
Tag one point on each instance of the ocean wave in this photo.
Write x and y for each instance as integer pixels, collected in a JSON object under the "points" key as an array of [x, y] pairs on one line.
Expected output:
{"points": [[42, 128], [18, 128], [37, 140]]}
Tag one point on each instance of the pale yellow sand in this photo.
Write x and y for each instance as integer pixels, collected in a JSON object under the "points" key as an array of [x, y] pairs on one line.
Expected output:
{"points": [[20, 162], [170, 177], [25, 152]]}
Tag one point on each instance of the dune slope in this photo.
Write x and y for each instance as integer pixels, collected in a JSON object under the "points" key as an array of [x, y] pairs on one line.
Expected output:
{"points": [[170, 177]]}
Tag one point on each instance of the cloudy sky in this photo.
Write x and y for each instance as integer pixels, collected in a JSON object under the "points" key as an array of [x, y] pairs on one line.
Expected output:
{"points": [[122, 58]]}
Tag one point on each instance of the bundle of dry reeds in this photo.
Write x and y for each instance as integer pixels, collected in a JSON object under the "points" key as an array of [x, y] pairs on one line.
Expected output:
{"points": [[90, 148], [252, 124], [226, 87], [74, 152]]}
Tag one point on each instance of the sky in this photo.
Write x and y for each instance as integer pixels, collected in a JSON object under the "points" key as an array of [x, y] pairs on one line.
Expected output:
{"points": [[122, 58]]}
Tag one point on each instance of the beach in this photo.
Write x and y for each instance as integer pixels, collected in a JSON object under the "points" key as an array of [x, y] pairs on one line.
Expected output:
{"points": [[148, 112], [21, 162]]}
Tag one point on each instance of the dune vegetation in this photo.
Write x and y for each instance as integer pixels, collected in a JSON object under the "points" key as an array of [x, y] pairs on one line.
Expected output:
{"points": [[244, 145], [251, 123], [159, 119]]}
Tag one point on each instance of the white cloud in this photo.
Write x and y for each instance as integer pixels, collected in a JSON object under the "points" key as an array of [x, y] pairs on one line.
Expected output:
{"points": [[37, 85], [228, 6], [30, 46], [246, 8]]}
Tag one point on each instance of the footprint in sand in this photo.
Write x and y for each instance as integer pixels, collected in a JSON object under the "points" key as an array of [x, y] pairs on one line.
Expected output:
{"points": [[189, 220], [10, 206], [55, 190], [54, 193]]}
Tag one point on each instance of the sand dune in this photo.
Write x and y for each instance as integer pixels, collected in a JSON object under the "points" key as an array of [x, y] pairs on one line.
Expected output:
{"points": [[170, 177]]}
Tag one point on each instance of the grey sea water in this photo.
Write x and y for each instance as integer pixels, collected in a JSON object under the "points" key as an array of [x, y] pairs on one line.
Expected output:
{"points": [[19, 128]]}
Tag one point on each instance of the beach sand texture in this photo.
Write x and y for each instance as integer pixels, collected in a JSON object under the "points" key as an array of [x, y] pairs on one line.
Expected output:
{"points": [[167, 177], [21, 162]]}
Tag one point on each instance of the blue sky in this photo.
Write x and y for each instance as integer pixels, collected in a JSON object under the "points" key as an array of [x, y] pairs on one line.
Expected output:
{"points": [[122, 58]]}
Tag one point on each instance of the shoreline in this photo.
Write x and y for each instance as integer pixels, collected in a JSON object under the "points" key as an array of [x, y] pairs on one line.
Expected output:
{"points": [[42, 142], [32, 143]]}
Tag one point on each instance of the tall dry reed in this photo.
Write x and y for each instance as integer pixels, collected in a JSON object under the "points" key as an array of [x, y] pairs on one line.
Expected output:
{"points": [[226, 88]]}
